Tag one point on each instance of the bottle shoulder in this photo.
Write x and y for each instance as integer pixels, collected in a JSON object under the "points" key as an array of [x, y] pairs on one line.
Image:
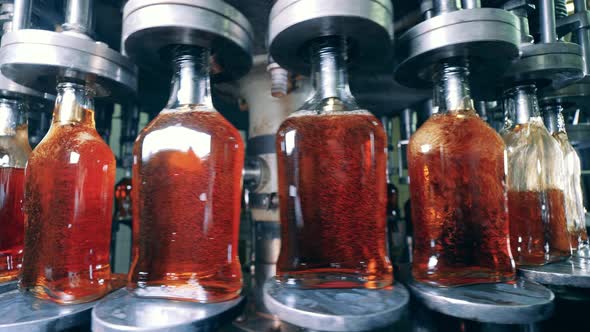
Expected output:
{"points": [[456, 132], [13, 152], [532, 138], [178, 128], [73, 142], [332, 121]]}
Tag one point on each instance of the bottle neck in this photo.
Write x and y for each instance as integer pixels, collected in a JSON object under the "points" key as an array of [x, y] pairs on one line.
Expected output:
{"points": [[190, 83], [520, 104], [74, 105], [452, 92], [330, 76], [13, 119], [553, 118]]}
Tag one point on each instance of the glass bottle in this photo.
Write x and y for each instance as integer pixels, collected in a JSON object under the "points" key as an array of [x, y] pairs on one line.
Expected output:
{"points": [[572, 172], [458, 192], [68, 205], [14, 153], [187, 177], [332, 175], [538, 230]]}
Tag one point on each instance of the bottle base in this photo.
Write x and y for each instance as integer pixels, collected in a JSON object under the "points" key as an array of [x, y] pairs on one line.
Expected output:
{"points": [[8, 276], [64, 297], [332, 279], [462, 277], [540, 260], [188, 293]]}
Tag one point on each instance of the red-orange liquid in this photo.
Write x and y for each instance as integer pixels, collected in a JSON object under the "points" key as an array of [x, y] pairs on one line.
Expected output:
{"points": [[538, 226], [333, 199], [459, 204], [123, 203], [186, 208], [12, 224], [69, 199]]}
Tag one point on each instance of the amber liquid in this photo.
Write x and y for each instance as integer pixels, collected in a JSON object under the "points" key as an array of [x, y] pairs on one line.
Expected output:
{"points": [[186, 207], [332, 176], [123, 203], [12, 224], [459, 204], [69, 199], [538, 226]]}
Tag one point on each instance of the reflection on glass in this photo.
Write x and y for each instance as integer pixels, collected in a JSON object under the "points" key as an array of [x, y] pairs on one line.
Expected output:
{"points": [[187, 178], [68, 207], [14, 152]]}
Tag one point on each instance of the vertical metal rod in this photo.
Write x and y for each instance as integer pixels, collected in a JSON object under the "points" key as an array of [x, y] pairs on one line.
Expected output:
{"points": [[582, 36], [547, 21], [580, 6], [79, 16], [470, 4], [22, 14], [444, 6]]}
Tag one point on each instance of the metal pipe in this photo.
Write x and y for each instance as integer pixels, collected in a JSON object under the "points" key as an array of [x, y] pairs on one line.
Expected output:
{"points": [[22, 14], [79, 16], [547, 21], [582, 38], [444, 6], [580, 6], [470, 4]]}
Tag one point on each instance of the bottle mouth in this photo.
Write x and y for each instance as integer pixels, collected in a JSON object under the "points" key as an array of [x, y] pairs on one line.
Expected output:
{"points": [[88, 88]]}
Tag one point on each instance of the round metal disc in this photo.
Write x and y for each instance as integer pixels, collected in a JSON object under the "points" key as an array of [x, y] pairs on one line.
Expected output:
{"points": [[150, 26], [36, 58], [122, 311], [574, 272], [367, 25], [555, 64], [487, 37], [336, 309], [23, 312], [520, 302], [576, 94], [8, 286]]}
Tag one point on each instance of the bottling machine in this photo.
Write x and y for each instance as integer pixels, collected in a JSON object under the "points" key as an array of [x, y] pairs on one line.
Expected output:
{"points": [[259, 191]]}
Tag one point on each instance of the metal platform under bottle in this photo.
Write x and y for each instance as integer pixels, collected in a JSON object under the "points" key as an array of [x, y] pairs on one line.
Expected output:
{"points": [[336, 309], [122, 311], [574, 272], [23, 312], [519, 302], [8, 286]]}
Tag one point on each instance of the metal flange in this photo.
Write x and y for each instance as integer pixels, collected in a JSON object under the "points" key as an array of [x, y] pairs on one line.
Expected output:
{"points": [[487, 37], [151, 26], [576, 94], [122, 311], [10, 89], [574, 272], [367, 25], [553, 64], [520, 302], [336, 309], [23, 312], [37, 58]]}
